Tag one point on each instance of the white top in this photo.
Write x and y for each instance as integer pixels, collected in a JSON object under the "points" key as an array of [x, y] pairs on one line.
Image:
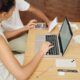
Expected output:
{"points": [[14, 22]]}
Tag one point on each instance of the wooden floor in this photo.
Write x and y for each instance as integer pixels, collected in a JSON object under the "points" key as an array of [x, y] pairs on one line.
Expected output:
{"points": [[52, 8]]}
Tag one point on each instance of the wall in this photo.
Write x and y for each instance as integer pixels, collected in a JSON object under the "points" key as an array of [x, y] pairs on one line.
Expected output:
{"points": [[52, 8]]}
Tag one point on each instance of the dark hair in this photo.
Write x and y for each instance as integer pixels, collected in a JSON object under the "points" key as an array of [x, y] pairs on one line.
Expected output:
{"points": [[6, 5]]}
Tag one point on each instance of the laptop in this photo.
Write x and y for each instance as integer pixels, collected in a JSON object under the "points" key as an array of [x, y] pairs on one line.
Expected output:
{"points": [[60, 41]]}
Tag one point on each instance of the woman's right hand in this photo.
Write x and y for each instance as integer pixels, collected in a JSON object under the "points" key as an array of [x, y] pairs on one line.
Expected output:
{"points": [[45, 47]]}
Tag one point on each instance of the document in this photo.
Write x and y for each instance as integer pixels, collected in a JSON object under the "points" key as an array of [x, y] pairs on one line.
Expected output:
{"points": [[77, 39], [66, 63], [53, 24], [74, 27]]}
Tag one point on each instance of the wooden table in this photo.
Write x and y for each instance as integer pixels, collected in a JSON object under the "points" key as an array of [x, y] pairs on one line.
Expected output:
{"points": [[47, 69]]}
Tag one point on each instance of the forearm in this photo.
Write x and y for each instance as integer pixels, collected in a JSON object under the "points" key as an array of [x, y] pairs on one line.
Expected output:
{"points": [[14, 33], [39, 13], [11, 63], [30, 68]]}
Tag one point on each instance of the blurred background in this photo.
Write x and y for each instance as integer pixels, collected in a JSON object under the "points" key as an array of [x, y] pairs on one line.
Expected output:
{"points": [[53, 8]]}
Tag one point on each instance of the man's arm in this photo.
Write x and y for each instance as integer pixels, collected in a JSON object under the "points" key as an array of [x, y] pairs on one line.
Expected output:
{"points": [[40, 14], [14, 33]]}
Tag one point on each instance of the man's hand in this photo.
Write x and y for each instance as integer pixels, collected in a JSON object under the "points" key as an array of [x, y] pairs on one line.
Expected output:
{"points": [[48, 24], [39, 14], [45, 47], [31, 24]]}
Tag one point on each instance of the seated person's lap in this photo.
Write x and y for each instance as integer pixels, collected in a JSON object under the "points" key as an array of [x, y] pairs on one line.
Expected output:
{"points": [[19, 44]]}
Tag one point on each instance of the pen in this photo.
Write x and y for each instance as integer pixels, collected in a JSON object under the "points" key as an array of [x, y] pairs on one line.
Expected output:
{"points": [[72, 61], [67, 70]]}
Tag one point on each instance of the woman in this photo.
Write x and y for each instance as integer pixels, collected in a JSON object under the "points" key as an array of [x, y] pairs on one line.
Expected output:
{"points": [[10, 26]]}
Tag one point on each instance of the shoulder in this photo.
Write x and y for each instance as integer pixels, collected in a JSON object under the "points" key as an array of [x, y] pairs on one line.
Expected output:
{"points": [[22, 5]]}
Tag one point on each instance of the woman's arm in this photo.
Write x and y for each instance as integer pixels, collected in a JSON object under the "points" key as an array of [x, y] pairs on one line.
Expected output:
{"points": [[13, 33], [40, 14], [20, 72]]}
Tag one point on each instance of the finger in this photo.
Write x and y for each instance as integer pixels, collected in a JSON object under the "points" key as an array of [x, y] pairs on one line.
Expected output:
{"points": [[31, 24], [34, 24], [33, 21], [48, 43], [51, 47]]}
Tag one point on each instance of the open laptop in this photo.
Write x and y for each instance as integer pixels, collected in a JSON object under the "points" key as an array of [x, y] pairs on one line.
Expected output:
{"points": [[60, 41]]}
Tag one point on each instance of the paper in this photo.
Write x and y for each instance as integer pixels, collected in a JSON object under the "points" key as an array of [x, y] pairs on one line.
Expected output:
{"points": [[77, 39], [74, 27], [71, 63], [53, 24], [61, 73]]}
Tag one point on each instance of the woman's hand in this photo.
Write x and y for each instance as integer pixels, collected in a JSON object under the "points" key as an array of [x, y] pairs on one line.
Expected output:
{"points": [[31, 24], [45, 47]]}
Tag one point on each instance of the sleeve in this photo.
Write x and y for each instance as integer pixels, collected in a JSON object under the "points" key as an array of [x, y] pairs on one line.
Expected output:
{"points": [[22, 5]]}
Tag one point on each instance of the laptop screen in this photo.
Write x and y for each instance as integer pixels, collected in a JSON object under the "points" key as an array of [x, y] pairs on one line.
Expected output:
{"points": [[65, 35]]}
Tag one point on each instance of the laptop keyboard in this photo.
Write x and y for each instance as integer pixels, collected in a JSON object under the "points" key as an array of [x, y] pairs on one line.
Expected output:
{"points": [[53, 40]]}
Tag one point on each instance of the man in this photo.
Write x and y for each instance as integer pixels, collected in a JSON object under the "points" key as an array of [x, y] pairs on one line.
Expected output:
{"points": [[15, 21], [10, 26]]}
